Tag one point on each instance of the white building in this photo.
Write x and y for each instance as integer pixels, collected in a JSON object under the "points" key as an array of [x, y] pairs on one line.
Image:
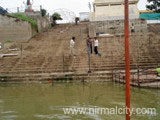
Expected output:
{"points": [[113, 10]]}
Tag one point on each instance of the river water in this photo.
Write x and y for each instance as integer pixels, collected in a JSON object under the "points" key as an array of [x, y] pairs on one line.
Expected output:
{"points": [[48, 102]]}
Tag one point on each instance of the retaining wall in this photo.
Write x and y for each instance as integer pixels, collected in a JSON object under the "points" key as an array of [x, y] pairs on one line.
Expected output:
{"points": [[43, 23], [12, 29], [115, 26]]}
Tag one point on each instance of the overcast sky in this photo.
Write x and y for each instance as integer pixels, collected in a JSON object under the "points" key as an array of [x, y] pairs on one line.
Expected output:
{"points": [[73, 5]]}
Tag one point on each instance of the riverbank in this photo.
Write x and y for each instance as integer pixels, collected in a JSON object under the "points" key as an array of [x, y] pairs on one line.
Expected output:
{"points": [[46, 57], [67, 77]]}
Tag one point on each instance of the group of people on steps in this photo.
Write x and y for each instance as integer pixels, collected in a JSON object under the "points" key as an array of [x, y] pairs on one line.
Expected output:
{"points": [[90, 42]]}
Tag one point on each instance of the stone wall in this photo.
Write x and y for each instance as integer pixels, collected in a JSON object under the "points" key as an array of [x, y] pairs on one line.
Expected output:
{"points": [[43, 23], [144, 48], [12, 29], [155, 28], [115, 27]]}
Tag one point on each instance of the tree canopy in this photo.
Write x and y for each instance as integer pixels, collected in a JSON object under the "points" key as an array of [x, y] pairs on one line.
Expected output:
{"points": [[56, 16], [154, 5], [43, 12]]}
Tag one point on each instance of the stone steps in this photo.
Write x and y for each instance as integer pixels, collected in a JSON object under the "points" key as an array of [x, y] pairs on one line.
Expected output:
{"points": [[99, 64], [47, 57], [105, 75]]}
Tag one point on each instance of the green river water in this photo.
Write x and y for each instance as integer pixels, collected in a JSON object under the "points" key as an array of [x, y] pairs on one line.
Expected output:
{"points": [[46, 101]]}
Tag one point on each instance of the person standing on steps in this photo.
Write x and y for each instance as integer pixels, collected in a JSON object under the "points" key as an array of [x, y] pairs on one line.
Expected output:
{"points": [[89, 51], [72, 46], [96, 43], [89, 44], [132, 28]]}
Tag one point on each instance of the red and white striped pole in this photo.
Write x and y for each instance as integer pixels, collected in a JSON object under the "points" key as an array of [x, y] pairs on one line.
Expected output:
{"points": [[127, 61]]}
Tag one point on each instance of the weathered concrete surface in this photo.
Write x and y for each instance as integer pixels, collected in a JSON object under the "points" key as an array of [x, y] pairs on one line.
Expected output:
{"points": [[113, 10], [12, 29], [116, 26], [43, 23]]}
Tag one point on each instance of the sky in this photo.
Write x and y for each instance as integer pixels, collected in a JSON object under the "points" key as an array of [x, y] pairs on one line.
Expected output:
{"points": [[51, 5]]}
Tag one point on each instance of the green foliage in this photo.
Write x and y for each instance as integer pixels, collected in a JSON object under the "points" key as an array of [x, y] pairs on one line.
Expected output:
{"points": [[56, 16], [25, 18], [8, 41], [154, 5], [43, 12], [76, 20]]}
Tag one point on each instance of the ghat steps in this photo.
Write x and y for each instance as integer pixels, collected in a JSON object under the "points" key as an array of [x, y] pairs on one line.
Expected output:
{"points": [[46, 56]]}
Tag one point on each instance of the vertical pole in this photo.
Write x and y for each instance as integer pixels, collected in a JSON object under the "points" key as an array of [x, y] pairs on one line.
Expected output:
{"points": [[17, 9], [119, 77], [21, 50], [89, 62], [63, 62], [138, 78], [89, 59], [40, 7], [112, 65], [81, 34], [127, 61]]}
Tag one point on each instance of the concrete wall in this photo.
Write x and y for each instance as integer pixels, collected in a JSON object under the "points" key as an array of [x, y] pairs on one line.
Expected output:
{"points": [[155, 28], [113, 10], [42, 22], [143, 48], [115, 26], [12, 29]]}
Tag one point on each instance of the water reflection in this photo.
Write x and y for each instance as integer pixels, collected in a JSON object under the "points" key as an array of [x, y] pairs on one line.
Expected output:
{"points": [[46, 101]]}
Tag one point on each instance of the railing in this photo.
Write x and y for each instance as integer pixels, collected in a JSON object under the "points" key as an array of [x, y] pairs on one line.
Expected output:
{"points": [[138, 76]]}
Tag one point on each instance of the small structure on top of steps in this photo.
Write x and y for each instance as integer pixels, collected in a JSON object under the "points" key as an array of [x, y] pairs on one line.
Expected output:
{"points": [[113, 10]]}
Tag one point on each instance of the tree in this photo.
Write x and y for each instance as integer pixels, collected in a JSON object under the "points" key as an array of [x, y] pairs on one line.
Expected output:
{"points": [[43, 12], [56, 16], [76, 20], [154, 5]]}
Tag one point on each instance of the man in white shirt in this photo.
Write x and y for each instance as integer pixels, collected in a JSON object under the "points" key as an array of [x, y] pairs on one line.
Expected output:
{"points": [[72, 46], [96, 43], [0, 45]]}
